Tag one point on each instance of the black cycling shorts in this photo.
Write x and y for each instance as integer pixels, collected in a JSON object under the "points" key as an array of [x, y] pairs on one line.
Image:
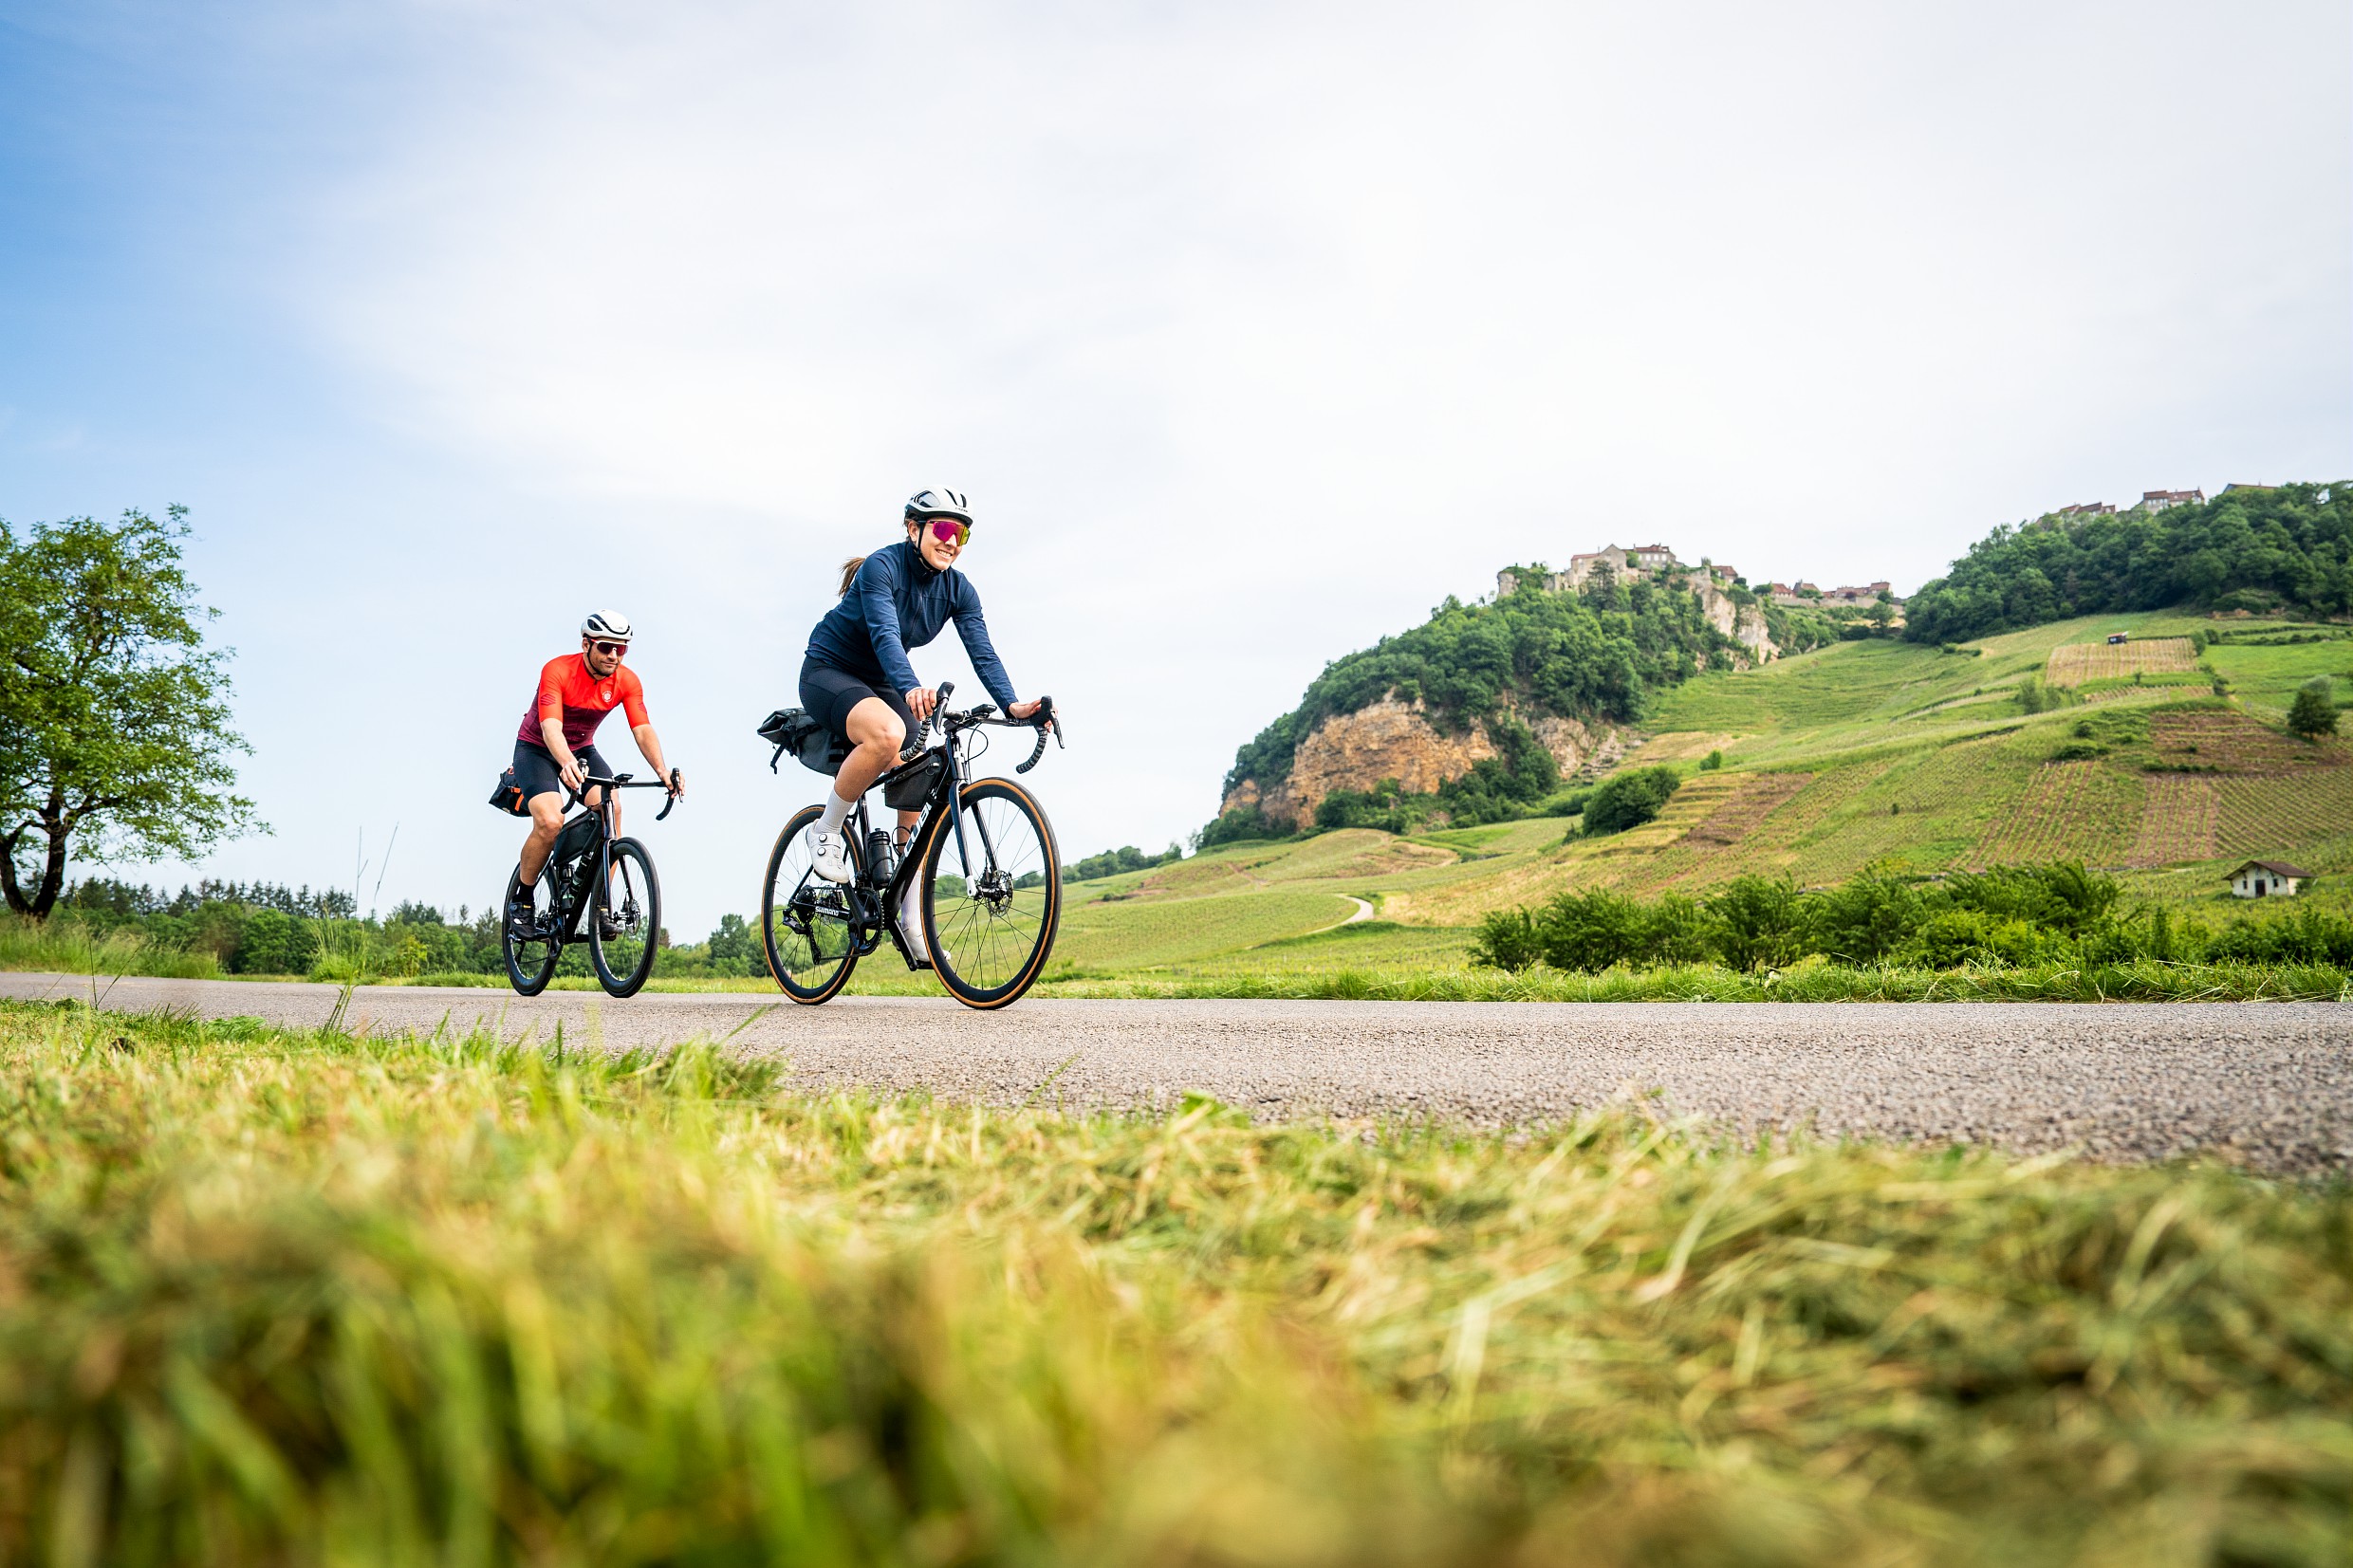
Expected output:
{"points": [[535, 769], [829, 694]]}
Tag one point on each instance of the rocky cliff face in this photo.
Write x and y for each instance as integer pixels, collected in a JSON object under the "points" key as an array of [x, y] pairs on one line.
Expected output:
{"points": [[1744, 624], [1395, 740]]}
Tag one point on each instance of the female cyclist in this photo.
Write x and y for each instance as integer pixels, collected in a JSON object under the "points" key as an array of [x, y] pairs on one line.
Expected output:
{"points": [[856, 679]]}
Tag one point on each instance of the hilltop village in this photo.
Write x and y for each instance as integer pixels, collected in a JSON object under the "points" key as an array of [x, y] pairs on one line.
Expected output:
{"points": [[1724, 593]]}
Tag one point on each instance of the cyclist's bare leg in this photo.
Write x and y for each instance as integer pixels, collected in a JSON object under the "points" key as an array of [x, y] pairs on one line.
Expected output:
{"points": [[547, 822], [877, 732]]}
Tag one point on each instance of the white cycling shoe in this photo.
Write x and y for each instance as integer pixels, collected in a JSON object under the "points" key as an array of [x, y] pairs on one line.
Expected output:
{"points": [[910, 927], [830, 854]]}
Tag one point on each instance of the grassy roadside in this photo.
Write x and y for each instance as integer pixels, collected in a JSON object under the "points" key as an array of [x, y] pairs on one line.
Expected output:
{"points": [[283, 1297], [2145, 981]]}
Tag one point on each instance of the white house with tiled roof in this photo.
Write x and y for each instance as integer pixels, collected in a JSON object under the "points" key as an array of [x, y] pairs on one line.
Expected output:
{"points": [[2268, 879]]}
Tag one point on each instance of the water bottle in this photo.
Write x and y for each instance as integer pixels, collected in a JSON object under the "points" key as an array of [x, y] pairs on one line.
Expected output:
{"points": [[878, 855]]}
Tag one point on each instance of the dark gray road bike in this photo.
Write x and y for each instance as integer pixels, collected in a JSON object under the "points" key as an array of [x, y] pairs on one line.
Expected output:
{"points": [[595, 887], [980, 870]]}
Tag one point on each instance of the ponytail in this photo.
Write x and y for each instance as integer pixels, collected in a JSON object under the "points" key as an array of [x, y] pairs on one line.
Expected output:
{"points": [[849, 574]]}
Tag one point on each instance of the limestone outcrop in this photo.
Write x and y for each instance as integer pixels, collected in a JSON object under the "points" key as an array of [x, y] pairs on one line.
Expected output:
{"points": [[1395, 740], [1743, 623]]}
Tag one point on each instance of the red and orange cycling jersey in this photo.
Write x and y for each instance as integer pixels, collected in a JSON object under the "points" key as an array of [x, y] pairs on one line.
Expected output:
{"points": [[568, 692]]}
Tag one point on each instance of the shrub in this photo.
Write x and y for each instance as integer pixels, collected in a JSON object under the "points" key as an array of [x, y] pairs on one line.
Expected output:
{"points": [[1593, 931], [1713, 760], [1629, 799], [276, 943], [2313, 714], [1112, 862], [1759, 922], [1378, 807], [1243, 822], [2309, 937], [1866, 918], [1507, 939]]}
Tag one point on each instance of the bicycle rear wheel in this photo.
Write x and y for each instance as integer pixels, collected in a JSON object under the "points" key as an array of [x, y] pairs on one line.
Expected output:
{"points": [[990, 924], [628, 904], [808, 927], [531, 962]]}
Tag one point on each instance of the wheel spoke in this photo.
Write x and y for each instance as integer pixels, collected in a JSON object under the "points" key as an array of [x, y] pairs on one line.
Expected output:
{"points": [[809, 929], [988, 931]]}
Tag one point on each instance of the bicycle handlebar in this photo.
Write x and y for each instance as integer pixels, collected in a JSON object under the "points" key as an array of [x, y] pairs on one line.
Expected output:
{"points": [[1045, 720], [624, 781]]}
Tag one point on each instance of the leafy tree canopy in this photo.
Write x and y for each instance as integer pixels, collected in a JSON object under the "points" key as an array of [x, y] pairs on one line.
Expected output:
{"points": [[114, 719], [2283, 548]]}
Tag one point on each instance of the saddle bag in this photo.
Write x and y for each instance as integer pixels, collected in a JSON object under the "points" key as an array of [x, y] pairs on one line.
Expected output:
{"points": [[814, 746], [508, 796], [908, 791]]}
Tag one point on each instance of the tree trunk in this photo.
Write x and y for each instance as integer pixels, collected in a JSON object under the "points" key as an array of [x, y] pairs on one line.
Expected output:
{"points": [[52, 874], [43, 898], [18, 903]]}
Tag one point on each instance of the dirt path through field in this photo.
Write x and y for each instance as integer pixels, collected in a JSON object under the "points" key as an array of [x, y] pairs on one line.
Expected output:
{"points": [[2269, 1084]]}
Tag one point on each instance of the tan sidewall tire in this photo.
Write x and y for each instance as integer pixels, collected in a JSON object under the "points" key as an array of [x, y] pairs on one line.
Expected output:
{"points": [[941, 837], [800, 820]]}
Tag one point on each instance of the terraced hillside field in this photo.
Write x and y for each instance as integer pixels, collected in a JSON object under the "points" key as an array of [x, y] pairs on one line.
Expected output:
{"points": [[1836, 759], [2074, 663]]}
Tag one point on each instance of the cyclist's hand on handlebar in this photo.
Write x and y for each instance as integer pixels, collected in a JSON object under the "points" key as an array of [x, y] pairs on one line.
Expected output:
{"points": [[572, 774], [677, 784], [1027, 710], [920, 701]]}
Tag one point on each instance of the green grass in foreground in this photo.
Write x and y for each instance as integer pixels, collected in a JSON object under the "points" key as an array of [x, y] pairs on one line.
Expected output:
{"points": [[304, 1299]]}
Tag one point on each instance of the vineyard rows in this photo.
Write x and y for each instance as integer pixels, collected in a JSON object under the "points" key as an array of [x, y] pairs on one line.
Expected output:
{"points": [[2282, 812], [2180, 820], [2234, 743], [2077, 662], [2071, 811]]}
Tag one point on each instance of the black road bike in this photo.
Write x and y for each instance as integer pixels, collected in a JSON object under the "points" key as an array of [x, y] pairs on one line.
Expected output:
{"points": [[595, 887], [979, 870]]}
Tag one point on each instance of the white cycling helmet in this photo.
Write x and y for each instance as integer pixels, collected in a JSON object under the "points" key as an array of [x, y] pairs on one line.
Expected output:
{"points": [[939, 502], [611, 625]]}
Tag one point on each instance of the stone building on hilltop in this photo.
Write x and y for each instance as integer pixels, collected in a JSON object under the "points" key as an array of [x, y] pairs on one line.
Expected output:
{"points": [[1849, 596], [1743, 622]]}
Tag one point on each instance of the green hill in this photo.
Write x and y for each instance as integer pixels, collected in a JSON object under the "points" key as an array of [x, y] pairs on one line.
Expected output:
{"points": [[1601, 654], [2253, 547], [1858, 752]]}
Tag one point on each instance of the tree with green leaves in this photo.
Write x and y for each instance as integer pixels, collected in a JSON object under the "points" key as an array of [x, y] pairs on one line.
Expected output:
{"points": [[2313, 714], [114, 720]]}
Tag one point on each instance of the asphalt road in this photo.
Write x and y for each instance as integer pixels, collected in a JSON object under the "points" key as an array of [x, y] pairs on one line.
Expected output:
{"points": [[2269, 1084]]}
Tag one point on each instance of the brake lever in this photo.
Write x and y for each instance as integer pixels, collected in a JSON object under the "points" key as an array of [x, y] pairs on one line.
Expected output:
{"points": [[1043, 719], [674, 797], [922, 735]]}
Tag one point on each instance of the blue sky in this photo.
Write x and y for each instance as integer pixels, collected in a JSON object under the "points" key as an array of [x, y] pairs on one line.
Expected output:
{"points": [[1254, 331]]}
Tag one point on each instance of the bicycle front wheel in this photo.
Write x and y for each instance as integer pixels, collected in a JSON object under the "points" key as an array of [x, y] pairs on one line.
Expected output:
{"points": [[992, 895], [808, 927], [532, 961], [625, 929]]}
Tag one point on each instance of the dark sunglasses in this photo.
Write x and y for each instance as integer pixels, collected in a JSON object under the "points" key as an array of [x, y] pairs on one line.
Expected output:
{"points": [[610, 647], [945, 529]]}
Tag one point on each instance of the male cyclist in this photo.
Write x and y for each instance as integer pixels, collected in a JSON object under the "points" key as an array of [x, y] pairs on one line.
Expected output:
{"points": [[553, 751], [856, 676]]}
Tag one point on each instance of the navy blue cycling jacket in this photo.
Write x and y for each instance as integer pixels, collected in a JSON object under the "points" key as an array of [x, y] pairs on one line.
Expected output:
{"points": [[896, 602]]}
